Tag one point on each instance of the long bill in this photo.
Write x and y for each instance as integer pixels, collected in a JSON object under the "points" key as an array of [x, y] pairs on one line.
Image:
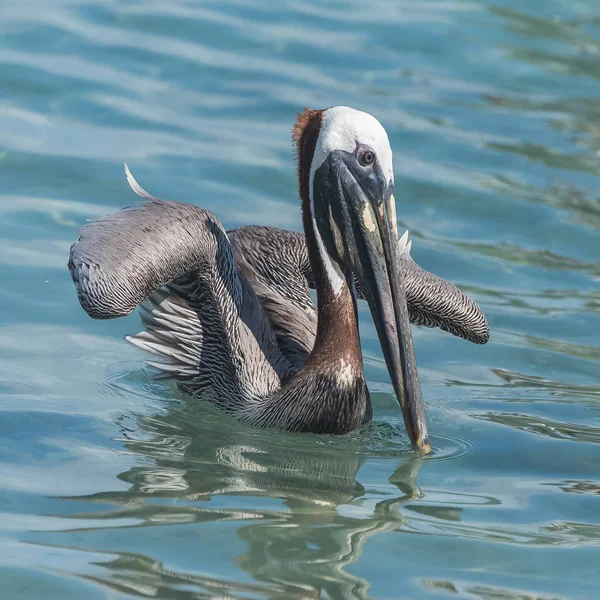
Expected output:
{"points": [[378, 270], [359, 205], [413, 398]]}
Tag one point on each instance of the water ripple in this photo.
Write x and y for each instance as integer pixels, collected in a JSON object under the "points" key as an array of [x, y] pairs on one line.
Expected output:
{"points": [[447, 447]]}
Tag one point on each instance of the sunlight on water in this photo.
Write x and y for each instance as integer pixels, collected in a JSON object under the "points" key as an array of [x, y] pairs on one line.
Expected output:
{"points": [[114, 485]]}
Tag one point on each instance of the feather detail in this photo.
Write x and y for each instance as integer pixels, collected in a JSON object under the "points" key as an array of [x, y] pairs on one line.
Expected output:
{"points": [[137, 188]]}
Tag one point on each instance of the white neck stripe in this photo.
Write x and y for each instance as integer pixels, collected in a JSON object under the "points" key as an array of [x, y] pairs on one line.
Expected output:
{"points": [[336, 281]]}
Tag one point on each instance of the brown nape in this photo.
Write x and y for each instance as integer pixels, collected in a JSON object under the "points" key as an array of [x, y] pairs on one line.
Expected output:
{"points": [[337, 340], [303, 119], [305, 134]]}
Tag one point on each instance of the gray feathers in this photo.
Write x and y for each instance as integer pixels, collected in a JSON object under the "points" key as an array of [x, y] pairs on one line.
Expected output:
{"points": [[435, 302], [200, 316], [120, 259], [173, 332], [276, 262]]}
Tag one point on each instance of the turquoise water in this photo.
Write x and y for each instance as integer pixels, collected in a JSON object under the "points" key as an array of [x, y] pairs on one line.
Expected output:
{"points": [[114, 486]]}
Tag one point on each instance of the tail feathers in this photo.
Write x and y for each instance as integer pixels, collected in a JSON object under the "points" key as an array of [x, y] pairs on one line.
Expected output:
{"points": [[172, 332], [137, 188]]}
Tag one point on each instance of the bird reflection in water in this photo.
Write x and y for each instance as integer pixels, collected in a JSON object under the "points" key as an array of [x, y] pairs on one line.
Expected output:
{"points": [[295, 552]]}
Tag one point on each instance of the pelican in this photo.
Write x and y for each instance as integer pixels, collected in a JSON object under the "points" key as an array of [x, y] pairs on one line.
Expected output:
{"points": [[230, 313]]}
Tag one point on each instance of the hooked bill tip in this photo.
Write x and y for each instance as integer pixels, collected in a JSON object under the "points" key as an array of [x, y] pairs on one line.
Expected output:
{"points": [[423, 445]]}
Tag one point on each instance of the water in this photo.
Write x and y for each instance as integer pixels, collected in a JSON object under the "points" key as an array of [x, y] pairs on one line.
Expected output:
{"points": [[114, 486]]}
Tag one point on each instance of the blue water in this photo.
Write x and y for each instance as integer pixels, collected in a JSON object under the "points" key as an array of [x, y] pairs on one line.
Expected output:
{"points": [[114, 486]]}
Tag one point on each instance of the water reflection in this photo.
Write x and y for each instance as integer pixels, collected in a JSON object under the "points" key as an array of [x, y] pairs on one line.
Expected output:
{"points": [[484, 592], [136, 574], [513, 379], [299, 511], [189, 458], [575, 486], [545, 427]]}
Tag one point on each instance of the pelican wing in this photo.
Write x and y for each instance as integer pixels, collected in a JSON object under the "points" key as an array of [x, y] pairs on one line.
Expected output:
{"points": [[119, 260], [175, 261], [434, 302], [280, 270], [275, 263]]}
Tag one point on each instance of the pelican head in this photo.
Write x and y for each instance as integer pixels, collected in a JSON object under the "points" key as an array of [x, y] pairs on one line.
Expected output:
{"points": [[345, 164]]}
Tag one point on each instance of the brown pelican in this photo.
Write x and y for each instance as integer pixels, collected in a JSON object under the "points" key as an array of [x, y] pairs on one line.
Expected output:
{"points": [[230, 312]]}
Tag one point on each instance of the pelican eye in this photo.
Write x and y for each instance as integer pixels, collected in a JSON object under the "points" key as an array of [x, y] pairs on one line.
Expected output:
{"points": [[366, 158]]}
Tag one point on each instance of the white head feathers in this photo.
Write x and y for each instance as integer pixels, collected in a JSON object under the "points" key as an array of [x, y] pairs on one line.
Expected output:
{"points": [[342, 128]]}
